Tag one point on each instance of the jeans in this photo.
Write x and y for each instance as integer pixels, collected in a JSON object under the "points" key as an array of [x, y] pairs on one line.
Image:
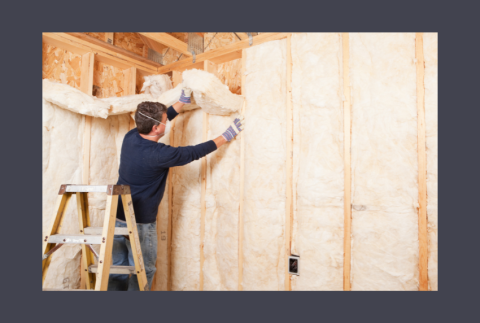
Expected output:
{"points": [[122, 256]]}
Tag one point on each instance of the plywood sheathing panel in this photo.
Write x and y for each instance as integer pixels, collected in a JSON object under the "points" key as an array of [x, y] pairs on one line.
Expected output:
{"points": [[108, 79], [318, 176], [264, 214], [129, 41], [186, 182], [61, 65], [384, 162], [430, 46], [229, 73]]}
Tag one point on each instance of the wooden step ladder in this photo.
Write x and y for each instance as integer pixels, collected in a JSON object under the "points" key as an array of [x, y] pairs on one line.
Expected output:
{"points": [[88, 235]]}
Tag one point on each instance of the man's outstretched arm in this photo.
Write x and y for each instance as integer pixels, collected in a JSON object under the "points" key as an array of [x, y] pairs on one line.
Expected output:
{"points": [[179, 156]]}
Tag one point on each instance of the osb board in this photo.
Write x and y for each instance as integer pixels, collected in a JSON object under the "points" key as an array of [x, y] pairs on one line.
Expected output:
{"points": [[129, 41], [109, 79], [61, 65], [100, 36], [229, 73]]}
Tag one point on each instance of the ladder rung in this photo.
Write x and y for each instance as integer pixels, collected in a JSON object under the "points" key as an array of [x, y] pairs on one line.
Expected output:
{"points": [[75, 239], [98, 230], [86, 188], [114, 269]]}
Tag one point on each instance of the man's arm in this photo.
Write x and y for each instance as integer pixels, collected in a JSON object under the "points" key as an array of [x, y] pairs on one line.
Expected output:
{"points": [[178, 156]]}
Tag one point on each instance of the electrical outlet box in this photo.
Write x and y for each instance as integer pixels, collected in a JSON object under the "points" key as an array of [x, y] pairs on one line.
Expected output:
{"points": [[294, 265]]}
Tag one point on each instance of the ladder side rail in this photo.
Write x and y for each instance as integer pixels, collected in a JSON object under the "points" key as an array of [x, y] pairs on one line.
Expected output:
{"points": [[135, 242], [87, 258], [61, 205], [105, 259]]}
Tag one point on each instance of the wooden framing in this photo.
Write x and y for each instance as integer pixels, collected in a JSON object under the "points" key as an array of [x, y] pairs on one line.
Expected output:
{"points": [[222, 54], [106, 248], [129, 80], [109, 38], [80, 43], [289, 167], [422, 166], [169, 41], [242, 179], [129, 84], [86, 86], [176, 79], [61, 204], [208, 67], [347, 159], [134, 241], [242, 36], [87, 279]]}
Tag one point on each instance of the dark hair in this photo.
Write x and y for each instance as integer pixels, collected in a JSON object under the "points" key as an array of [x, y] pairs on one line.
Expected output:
{"points": [[154, 110]]}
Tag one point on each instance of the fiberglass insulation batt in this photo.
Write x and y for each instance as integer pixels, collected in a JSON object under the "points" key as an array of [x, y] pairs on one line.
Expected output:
{"points": [[430, 52], [318, 177], [105, 147], [62, 144], [220, 269], [265, 157], [384, 162], [186, 216]]}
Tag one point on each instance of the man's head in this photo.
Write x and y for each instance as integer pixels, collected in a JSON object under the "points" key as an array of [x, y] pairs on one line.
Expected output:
{"points": [[146, 111]]}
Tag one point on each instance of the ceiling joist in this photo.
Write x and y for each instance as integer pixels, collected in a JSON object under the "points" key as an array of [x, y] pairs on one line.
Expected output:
{"points": [[222, 54], [169, 41]]}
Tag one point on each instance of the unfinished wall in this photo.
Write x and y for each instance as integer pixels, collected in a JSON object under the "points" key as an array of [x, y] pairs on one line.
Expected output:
{"points": [[318, 183], [265, 138], [430, 47], [384, 162]]}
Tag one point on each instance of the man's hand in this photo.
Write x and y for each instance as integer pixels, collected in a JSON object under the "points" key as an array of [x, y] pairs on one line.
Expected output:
{"points": [[237, 125], [186, 93]]}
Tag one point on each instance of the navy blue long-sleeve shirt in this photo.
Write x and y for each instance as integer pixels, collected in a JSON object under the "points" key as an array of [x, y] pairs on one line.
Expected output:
{"points": [[144, 166]]}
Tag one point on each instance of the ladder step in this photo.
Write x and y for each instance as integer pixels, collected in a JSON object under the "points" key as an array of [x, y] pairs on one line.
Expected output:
{"points": [[114, 269], [75, 239], [98, 231]]}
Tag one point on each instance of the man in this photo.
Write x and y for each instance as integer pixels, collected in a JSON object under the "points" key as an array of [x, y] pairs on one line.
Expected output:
{"points": [[144, 165]]}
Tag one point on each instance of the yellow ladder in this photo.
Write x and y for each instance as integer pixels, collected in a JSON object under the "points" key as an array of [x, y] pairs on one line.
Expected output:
{"points": [[87, 235]]}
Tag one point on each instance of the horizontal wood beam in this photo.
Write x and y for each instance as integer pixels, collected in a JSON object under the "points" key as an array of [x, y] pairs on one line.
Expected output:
{"points": [[242, 36], [80, 43], [169, 41], [159, 48], [222, 54]]}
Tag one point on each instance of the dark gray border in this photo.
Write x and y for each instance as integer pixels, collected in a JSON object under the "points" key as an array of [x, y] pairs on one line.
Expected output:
{"points": [[459, 160]]}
